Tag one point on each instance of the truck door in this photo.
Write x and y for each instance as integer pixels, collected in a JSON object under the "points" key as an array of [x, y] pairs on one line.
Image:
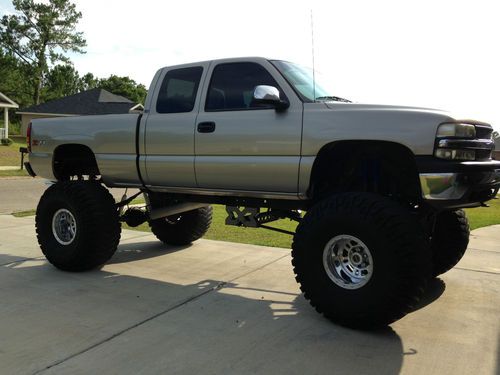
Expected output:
{"points": [[242, 146], [169, 140]]}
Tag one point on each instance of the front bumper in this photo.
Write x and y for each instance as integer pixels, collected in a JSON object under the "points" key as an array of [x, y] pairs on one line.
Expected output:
{"points": [[448, 184]]}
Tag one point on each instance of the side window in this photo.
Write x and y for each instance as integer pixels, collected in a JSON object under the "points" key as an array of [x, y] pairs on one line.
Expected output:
{"points": [[232, 86], [178, 90]]}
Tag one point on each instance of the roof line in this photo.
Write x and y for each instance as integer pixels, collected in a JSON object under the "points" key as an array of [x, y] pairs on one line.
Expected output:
{"points": [[10, 102], [135, 107], [46, 114]]}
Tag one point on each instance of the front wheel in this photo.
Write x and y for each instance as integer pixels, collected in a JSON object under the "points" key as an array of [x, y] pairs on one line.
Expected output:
{"points": [[361, 259], [449, 240], [77, 225]]}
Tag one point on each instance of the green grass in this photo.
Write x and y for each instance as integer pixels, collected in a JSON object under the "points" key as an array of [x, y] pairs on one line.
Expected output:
{"points": [[221, 232], [24, 213], [16, 173], [478, 217], [10, 155], [484, 216]]}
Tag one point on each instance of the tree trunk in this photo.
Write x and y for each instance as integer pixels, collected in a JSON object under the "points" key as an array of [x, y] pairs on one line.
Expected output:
{"points": [[41, 66], [36, 95]]}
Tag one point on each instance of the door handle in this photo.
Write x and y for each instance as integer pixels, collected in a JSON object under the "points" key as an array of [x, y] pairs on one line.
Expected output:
{"points": [[206, 127]]}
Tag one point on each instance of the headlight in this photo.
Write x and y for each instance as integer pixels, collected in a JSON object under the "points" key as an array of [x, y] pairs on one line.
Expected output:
{"points": [[451, 154], [456, 130]]}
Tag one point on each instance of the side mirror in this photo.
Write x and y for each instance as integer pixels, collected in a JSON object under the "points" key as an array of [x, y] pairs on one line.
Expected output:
{"points": [[269, 95]]}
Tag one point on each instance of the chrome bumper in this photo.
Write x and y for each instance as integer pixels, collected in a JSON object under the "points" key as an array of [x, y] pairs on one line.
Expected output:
{"points": [[455, 185]]}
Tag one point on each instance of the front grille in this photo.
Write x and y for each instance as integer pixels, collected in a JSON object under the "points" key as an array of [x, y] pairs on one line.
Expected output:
{"points": [[483, 131]]}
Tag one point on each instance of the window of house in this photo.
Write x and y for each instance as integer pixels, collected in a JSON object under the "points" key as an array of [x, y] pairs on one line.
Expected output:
{"points": [[232, 86], [178, 90]]}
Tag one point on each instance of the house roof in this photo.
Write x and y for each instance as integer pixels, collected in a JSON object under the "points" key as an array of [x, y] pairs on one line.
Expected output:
{"points": [[6, 102], [91, 102]]}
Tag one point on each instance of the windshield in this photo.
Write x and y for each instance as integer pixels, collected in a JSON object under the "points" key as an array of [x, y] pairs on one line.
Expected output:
{"points": [[301, 79]]}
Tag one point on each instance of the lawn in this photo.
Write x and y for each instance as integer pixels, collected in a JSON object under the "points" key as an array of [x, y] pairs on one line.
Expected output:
{"points": [[9, 155], [478, 217], [484, 216], [15, 173], [220, 231]]}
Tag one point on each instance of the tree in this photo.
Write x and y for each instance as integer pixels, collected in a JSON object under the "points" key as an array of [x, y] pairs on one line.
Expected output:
{"points": [[126, 87], [88, 82], [41, 33], [60, 81], [14, 79]]}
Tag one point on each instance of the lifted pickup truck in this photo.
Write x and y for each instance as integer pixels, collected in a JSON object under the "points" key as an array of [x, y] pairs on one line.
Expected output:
{"points": [[382, 187]]}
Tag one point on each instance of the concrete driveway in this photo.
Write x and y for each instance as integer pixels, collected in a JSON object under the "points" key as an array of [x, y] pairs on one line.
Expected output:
{"points": [[224, 308], [23, 193]]}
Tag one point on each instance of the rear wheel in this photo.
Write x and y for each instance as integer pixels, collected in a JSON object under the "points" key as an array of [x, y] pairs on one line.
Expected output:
{"points": [[77, 225], [180, 229], [361, 259], [449, 241]]}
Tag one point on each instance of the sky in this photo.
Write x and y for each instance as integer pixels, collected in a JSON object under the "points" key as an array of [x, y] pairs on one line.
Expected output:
{"points": [[438, 54]]}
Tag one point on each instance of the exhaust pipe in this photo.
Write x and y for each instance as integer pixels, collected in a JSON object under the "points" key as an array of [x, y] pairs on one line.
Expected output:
{"points": [[135, 216]]}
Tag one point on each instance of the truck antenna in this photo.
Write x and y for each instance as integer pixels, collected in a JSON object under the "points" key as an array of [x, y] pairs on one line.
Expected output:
{"points": [[312, 50]]}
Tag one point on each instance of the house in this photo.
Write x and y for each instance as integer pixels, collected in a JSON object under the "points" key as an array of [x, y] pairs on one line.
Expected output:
{"points": [[92, 102], [5, 104]]}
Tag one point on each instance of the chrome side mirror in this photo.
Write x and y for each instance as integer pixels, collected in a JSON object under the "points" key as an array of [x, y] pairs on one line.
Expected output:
{"points": [[269, 95]]}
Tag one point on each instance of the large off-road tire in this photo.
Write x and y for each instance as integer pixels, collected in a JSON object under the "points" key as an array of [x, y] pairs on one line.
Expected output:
{"points": [[184, 228], [77, 225], [361, 259], [449, 240]]}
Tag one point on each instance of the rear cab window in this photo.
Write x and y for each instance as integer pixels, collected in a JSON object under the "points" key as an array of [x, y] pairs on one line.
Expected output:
{"points": [[178, 90]]}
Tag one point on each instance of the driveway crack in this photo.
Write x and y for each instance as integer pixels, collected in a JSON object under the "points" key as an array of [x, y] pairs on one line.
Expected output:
{"points": [[152, 317], [480, 271]]}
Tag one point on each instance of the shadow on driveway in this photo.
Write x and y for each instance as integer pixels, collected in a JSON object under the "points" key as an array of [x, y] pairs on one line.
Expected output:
{"points": [[111, 322]]}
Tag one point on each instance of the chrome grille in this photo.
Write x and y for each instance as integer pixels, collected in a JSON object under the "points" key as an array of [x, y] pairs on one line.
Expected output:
{"points": [[483, 131]]}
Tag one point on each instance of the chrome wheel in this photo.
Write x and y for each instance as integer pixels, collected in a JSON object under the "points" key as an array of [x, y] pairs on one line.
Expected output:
{"points": [[348, 261], [64, 226]]}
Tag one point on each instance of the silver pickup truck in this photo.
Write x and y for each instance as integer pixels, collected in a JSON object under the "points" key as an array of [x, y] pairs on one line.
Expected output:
{"points": [[377, 190]]}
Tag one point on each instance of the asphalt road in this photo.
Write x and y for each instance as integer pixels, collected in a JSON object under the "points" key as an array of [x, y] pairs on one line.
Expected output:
{"points": [[23, 193]]}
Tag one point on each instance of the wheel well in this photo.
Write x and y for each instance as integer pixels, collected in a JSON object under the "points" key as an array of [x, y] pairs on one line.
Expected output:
{"points": [[74, 160], [382, 167]]}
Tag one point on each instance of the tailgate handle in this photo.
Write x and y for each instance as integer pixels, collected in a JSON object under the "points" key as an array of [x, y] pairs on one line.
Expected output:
{"points": [[206, 127]]}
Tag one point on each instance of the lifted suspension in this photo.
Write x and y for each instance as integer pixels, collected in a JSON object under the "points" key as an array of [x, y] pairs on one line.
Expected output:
{"points": [[251, 217]]}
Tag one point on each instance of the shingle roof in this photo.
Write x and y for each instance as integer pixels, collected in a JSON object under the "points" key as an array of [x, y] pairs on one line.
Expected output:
{"points": [[91, 102]]}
